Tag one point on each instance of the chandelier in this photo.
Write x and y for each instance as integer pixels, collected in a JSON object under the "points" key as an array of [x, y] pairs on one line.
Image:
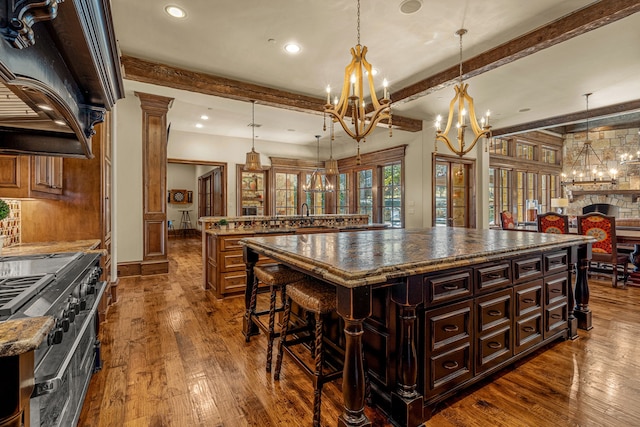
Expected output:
{"points": [[356, 118], [591, 173], [479, 130], [318, 182], [331, 165], [628, 159], [252, 162]]}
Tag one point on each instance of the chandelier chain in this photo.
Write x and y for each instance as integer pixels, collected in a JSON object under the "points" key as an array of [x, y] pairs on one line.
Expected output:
{"points": [[253, 125], [461, 32], [358, 21]]}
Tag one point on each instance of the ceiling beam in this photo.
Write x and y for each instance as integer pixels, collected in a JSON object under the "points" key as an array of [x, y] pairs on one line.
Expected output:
{"points": [[575, 24], [571, 118], [165, 75]]}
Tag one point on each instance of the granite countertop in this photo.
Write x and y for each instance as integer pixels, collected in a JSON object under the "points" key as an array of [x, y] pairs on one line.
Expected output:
{"points": [[370, 257], [23, 335], [291, 230], [36, 248]]}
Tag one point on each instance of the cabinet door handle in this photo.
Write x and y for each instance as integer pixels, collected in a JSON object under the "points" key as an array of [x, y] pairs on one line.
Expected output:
{"points": [[528, 300], [450, 287], [494, 313], [451, 364], [450, 328], [528, 329], [494, 344], [556, 316]]}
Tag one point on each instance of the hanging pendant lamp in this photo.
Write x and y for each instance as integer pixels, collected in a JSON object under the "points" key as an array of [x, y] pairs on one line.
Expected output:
{"points": [[331, 165], [318, 181], [252, 163]]}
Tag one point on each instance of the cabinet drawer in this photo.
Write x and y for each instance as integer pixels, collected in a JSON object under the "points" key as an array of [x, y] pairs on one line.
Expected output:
{"points": [[556, 318], [493, 348], [493, 310], [528, 332], [448, 369], [493, 276], [448, 325], [231, 243], [528, 298], [527, 268], [456, 284], [556, 288], [232, 261], [233, 282], [556, 262]]}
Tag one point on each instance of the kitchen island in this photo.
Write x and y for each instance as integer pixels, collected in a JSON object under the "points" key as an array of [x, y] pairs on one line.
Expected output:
{"points": [[438, 309]]}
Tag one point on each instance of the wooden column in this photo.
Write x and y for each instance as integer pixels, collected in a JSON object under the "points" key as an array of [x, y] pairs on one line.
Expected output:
{"points": [[154, 172]]}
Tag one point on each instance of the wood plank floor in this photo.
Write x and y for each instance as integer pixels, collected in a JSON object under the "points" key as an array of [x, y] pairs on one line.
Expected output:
{"points": [[175, 356]]}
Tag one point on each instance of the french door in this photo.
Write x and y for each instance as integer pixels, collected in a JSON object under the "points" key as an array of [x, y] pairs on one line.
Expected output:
{"points": [[453, 192]]}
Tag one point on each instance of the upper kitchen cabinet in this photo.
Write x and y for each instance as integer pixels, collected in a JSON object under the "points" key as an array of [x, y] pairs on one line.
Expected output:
{"points": [[46, 176], [59, 74]]}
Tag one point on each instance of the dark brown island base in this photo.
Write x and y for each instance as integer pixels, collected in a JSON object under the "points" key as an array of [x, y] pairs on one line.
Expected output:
{"points": [[438, 309]]}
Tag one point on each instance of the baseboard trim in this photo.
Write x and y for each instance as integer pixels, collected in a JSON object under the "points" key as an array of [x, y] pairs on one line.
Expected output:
{"points": [[142, 268]]}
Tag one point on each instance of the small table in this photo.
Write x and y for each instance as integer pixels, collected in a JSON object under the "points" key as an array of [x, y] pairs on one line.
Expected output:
{"points": [[631, 237]]}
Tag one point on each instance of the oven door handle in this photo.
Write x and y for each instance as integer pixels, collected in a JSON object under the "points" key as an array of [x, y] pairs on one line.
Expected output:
{"points": [[52, 384]]}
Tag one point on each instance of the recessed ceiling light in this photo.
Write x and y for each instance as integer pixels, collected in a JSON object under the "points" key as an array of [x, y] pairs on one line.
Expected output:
{"points": [[292, 48], [175, 11], [410, 6], [199, 125], [204, 117]]}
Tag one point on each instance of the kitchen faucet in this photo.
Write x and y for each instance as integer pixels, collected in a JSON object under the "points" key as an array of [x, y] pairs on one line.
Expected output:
{"points": [[302, 209]]}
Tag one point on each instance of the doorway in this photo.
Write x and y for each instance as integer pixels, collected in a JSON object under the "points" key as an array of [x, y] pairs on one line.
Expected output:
{"points": [[453, 192]]}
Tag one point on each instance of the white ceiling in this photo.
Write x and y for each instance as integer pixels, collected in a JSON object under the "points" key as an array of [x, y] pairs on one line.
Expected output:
{"points": [[243, 40]]}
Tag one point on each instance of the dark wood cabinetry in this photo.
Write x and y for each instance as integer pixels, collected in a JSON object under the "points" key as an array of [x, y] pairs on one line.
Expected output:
{"points": [[474, 321], [31, 176]]}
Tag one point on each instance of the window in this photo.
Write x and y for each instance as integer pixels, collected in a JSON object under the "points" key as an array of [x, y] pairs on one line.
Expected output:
{"points": [[343, 194], [365, 193], [286, 192], [499, 191], [392, 195], [549, 155], [499, 146], [525, 151]]}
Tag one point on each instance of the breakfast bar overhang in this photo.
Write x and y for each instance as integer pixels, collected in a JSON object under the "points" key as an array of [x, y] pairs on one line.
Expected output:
{"points": [[437, 309]]}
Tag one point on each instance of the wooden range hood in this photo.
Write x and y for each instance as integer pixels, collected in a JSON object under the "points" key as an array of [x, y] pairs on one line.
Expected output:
{"points": [[59, 74]]}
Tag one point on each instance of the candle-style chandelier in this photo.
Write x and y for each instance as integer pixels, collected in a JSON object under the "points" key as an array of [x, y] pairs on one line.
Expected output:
{"points": [[356, 118], [589, 173], [318, 182], [629, 159], [479, 130]]}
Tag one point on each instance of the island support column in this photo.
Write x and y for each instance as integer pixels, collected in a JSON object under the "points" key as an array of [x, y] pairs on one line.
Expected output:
{"points": [[582, 310], [406, 402], [354, 306]]}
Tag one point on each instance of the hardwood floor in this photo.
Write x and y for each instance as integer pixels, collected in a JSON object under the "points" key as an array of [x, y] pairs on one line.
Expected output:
{"points": [[175, 356]]}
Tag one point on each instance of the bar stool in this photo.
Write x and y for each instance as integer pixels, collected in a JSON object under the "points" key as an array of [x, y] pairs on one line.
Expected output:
{"points": [[320, 299], [185, 223], [276, 277]]}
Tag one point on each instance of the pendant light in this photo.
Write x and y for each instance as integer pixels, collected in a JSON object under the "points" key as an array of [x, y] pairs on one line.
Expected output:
{"points": [[318, 182], [331, 165], [252, 163]]}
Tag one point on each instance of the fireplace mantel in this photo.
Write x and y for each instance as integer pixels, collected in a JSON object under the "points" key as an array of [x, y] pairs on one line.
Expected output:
{"points": [[635, 194]]}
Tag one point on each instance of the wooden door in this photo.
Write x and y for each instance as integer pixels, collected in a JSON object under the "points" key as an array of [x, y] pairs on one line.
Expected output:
{"points": [[217, 196], [453, 195]]}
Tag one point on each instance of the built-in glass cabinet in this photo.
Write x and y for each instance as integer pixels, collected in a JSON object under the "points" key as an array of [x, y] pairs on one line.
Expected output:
{"points": [[252, 193]]}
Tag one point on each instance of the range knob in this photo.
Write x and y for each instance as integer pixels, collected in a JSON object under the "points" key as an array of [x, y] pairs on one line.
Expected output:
{"points": [[55, 336], [64, 324], [74, 305]]}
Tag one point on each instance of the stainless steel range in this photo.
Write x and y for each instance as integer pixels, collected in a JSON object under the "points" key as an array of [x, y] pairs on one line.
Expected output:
{"points": [[65, 286]]}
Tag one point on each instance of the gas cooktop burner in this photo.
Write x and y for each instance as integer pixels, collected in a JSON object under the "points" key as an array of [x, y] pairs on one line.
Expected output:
{"points": [[15, 291]]}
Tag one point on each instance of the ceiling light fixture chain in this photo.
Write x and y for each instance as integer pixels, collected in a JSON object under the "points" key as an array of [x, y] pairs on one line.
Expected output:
{"points": [[594, 175], [357, 117], [482, 129]]}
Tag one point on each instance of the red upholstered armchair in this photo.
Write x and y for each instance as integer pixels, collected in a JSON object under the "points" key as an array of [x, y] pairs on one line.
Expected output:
{"points": [[605, 250], [552, 222], [507, 221]]}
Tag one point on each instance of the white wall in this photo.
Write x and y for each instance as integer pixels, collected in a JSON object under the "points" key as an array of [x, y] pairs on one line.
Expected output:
{"points": [[128, 179], [182, 177]]}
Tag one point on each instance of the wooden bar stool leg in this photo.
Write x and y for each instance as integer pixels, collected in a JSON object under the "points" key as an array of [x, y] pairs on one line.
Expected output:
{"points": [[283, 337], [252, 306], [319, 380], [272, 321]]}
